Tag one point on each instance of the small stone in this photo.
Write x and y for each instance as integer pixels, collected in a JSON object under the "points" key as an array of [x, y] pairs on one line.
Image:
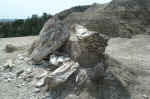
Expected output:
{"points": [[9, 79], [42, 75], [10, 48], [145, 96], [36, 90], [18, 86], [20, 77], [19, 73], [29, 71], [8, 64], [22, 84], [72, 96], [17, 61], [20, 57], [57, 60], [28, 78], [1, 67], [27, 59], [5, 66], [40, 83]]}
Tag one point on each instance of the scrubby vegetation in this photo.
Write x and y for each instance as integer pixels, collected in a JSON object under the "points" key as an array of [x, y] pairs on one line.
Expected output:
{"points": [[33, 25], [23, 27]]}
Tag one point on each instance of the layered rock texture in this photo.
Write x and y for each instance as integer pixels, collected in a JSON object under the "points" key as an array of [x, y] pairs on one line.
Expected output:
{"points": [[52, 36], [77, 57], [74, 48], [122, 18], [86, 47]]}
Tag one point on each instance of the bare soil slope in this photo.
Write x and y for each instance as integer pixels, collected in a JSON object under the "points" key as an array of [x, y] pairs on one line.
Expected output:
{"points": [[134, 55]]}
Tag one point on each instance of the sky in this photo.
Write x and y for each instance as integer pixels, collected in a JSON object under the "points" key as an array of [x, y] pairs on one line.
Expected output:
{"points": [[25, 8]]}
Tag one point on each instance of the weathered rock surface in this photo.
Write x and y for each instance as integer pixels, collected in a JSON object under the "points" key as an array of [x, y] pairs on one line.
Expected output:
{"points": [[52, 36], [119, 18], [127, 59], [61, 74], [129, 62], [95, 73], [86, 47], [10, 48], [58, 60], [8, 65], [83, 65], [89, 79], [34, 45]]}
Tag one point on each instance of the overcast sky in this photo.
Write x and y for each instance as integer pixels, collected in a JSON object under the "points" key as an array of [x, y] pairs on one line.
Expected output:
{"points": [[25, 8]]}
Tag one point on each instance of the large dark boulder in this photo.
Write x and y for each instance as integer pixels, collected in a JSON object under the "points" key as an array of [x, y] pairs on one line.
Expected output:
{"points": [[52, 36]]}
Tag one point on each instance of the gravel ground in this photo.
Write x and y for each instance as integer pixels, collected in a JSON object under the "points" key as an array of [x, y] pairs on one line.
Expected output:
{"points": [[18, 82]]}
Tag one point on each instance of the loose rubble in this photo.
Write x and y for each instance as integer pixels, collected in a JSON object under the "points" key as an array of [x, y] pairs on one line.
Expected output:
{"points": [[58, 60], [70, 61], [86, 49], [8, 65]]}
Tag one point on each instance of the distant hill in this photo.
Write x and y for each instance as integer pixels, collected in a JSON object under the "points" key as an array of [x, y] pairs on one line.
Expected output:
{"points": [[22, 27], [7, 20]]}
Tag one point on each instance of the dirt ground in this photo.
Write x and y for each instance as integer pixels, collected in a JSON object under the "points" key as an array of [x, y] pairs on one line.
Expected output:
{"points": [[18, 82], [134, 54]]}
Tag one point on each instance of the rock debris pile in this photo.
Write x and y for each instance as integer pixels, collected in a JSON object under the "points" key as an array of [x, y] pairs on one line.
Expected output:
{"points": [[75, 55]]}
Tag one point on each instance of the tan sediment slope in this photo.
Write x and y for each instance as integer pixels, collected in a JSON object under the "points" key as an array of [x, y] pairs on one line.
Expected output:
{"points": [[134, 55]]}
